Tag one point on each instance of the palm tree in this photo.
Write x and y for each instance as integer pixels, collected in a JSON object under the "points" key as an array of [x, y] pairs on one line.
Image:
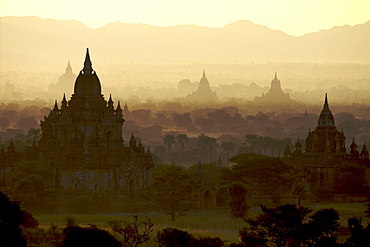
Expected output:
{"points": [[212, 142], [203, 143], [169, 140], [227, 146], [182, 138]]}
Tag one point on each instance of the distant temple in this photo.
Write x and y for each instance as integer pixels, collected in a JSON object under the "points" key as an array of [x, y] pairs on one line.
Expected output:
{"points": [[275, 95], [204, 94], [64, 84], [82, 141]]}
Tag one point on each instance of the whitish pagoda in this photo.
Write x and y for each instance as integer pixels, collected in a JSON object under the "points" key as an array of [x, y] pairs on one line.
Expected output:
{"points": [[82, 141]]}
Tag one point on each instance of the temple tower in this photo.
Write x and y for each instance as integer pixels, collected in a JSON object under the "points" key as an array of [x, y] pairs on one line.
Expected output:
{"points": [[325, 138], [82, 140]]}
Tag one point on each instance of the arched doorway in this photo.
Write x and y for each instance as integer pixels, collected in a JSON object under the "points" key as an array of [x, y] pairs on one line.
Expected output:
{"points": [[207, 200]]}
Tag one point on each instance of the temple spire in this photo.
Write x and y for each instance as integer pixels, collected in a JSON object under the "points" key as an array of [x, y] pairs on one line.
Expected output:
{"points": [[326, 118], [326, 104], [204, 73], [275, 76], [64, 101], [87, 64]]}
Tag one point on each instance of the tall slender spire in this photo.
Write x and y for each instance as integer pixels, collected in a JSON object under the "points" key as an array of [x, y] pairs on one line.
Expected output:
{"points": [[87, 64], [326, 104], [204, 73], [56, 109], [275, 76], [326, 118], [64, 102]]}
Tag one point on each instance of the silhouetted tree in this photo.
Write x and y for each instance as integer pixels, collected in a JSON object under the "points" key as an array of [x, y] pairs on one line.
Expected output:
{"points": [[173, 191], [131, 234], [367, 211], [24, 189], [288, 225], [261, 174], [203, 143], [171, 237], [33, 136], [212, 143], [238, 202], [360, 236], [227, 146], [349, 179], [11, 218], [75, 236], [182, 120], [27, 123], [182, 138], [169, 140]]}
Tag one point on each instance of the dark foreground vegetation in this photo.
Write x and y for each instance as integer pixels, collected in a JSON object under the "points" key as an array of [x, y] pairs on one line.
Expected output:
{"points": [[284, 225]]}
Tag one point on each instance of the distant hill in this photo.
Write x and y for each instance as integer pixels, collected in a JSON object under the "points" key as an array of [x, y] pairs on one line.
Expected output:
{"points": [[31, 42]]}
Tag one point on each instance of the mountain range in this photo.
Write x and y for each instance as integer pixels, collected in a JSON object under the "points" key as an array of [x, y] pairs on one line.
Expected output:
{"points": [[32, 42]]}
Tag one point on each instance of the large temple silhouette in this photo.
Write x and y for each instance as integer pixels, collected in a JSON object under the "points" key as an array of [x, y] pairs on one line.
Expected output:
{"points": [[325, 151], [82, 141], [275, 95], [204, 94]]}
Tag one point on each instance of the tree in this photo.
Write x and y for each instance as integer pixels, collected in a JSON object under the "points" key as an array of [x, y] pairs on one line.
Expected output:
{"points": [[27, 123], [238, 203], [182, 138], [359, 235], [350, 179], [182, 120], [169, 140], [288, 225], [172, 237], [173, 189], [11, 219], [24, 189], [90, 236], [203, 143], [37, 181], [169, 237], [131, 233], [227, 146], [4, 122], [33, 136], [261, 174], [212, 143]]}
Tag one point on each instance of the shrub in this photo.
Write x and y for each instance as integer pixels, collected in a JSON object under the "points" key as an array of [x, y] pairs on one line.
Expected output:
{"points": [[75, 236], [171, 237], [11, 218]]}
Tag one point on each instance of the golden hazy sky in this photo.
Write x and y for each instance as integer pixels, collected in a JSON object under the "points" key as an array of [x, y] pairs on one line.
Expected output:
{"points": [[293, 17]]}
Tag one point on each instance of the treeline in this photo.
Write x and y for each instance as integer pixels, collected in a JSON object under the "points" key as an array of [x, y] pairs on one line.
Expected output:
{"points": [[285, 225], [152, 122], [175, 189]]}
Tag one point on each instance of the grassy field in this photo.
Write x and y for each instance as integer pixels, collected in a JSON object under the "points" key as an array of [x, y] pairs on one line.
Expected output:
{"points": [[212, 223]]}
